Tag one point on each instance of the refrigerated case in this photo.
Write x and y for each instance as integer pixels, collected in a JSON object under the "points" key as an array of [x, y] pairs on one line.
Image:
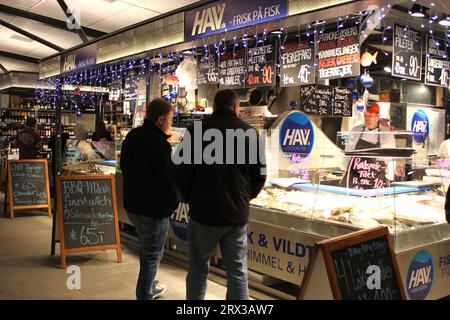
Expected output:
{"points": [[307, 199]]}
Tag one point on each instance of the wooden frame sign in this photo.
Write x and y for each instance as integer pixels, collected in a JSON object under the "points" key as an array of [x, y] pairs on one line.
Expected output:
{"points": [[87, 215], [28, 185], [357, 266]]}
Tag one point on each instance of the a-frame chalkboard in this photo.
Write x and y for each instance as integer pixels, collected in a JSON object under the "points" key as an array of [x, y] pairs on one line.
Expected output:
{"points": [[345, 268], [28, 185], [87, 215]]}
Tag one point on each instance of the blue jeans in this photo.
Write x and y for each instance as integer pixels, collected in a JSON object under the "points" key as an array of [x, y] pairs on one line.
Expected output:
{"points": [[152, 234], [203, 241]]}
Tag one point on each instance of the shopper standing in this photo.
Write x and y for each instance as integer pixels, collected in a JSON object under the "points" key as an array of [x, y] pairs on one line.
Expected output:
{"points": [[150, 194], [218, 195], [28, 141]]}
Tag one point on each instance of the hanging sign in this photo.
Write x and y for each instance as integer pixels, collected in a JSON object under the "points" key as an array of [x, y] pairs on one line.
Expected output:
{"points": [[222, 16], [437, 64], [261, 67], [80, 58], [406, 53], [297, 63], [207, 69], [232, 69], [339, 53]]}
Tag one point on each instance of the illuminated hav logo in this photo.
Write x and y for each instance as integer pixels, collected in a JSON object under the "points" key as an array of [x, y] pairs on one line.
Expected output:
{"points": [[209, 19], [296, 134], [420, 126], [419, 279]]}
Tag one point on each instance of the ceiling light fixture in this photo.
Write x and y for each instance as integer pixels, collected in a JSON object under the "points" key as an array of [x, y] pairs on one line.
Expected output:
{"points": [[417, 11], [445, 21], [387, 69]]}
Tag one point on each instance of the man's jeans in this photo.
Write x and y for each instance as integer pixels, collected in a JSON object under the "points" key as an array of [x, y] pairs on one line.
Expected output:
{"points": [[203, 241], [152, 234]]}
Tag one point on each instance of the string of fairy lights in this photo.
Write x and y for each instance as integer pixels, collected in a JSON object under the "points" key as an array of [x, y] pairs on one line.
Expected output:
{"points": [[70, 87]]}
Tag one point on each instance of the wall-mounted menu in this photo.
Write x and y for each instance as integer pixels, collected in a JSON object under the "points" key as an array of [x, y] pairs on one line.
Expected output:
{"points": [[297, 63], [343, 102], [261, 67], [29, 183], [437, 63], [326, 100], [232, 69], [87, 211], [338, 53], [207, 69], [406, 53]]}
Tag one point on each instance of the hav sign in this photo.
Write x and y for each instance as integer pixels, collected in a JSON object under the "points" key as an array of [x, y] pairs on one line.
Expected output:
{"points": [[420, 126], [221, 16], [296, 134]]}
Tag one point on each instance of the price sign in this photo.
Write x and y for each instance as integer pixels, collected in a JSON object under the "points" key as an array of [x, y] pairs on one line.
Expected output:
{"points": [[297, 63], [326, 100], [365, 173], [437, 65], [261, 67], [343, 102], [407, 53]]}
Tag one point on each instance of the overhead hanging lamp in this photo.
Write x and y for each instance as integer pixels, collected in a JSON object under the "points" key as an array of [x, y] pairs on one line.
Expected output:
{"points": [[417, 11]]}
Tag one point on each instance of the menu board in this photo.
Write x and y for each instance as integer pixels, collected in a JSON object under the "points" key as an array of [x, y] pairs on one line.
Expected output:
{"points": [[407, 53], [232, 69], [338, 53], [167, 84], [261, 67], [437, 64], [316, 99], [88, 212], [360, 266], [325, 100], [343, 102], [207, 69], [297, 63], [351, 264], [29, 183]]}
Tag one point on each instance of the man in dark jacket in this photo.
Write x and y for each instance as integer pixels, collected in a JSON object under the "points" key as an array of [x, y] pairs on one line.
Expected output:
{"points": [[150, 194], [218, 179], [28, 141]]}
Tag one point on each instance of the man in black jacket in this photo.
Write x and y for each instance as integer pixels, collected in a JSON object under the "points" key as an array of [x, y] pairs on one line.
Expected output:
{"points": [[150, 194], [218, 179]]}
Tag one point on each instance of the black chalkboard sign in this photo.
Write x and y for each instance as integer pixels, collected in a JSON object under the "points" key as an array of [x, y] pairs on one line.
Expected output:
{"points": [[321, 99], [297, 63], [261, 67], [232, 69], [28, 185], [343, 102], [437, 69], [360, 266], [207, 69], [316, 99], [87, 212], [407, 53]]}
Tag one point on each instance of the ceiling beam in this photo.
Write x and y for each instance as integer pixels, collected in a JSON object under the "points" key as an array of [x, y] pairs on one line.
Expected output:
{"points": [[70, 16], [31, 36], [3, 68], [20, 57], [55, 23]]}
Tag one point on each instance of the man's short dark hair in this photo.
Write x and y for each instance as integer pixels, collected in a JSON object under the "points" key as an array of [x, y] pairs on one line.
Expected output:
{"points": [[31, 122], [225, 99], [157, 108]]}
